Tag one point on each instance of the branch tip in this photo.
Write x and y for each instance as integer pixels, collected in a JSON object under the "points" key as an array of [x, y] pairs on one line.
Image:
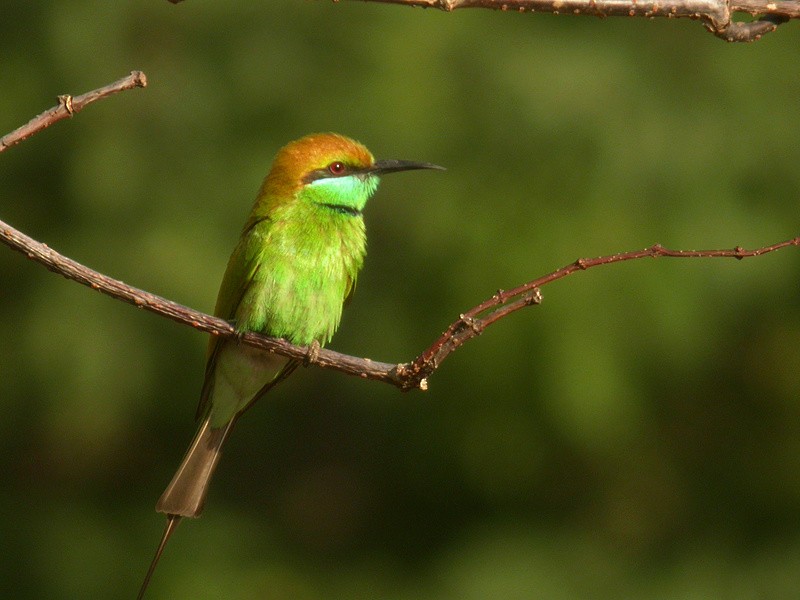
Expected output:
{"points": [[139, 79], [753, 31], [68, 105]]}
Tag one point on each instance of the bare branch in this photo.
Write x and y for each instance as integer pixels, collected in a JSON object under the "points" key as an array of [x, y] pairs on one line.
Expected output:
{"points": [[406, 376], [749, 32], [715, 13], [472, 323], [68, 106], [52, 260]]}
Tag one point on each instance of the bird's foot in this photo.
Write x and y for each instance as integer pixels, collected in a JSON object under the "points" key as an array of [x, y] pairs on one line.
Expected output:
{"points": [[312, 353]]}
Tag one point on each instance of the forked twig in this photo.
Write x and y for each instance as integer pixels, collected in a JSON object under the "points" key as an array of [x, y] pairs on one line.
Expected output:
{"points": [[473, 322]]}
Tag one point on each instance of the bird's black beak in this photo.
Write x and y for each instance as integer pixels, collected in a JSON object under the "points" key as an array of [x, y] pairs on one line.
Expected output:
{"points": [[393, 166]]}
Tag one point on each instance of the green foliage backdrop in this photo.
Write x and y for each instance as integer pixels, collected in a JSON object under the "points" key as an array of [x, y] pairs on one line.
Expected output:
{"points": [[636, 436]]}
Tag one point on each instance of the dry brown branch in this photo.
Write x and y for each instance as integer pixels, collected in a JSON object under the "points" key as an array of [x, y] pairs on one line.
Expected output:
{"points": [[473, 322], [716, 14], [70, 105], [42, 254], [406, 376]]}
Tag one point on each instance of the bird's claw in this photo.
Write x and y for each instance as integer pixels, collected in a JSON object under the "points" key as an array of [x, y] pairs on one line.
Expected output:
{"points": [[312, 353]]}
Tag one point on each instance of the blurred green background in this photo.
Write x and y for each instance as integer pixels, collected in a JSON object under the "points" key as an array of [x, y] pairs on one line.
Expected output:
{"points": [[635, 436]]}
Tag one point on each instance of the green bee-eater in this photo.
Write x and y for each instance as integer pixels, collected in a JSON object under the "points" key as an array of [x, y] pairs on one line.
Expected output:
{"points": [[294, 267]]}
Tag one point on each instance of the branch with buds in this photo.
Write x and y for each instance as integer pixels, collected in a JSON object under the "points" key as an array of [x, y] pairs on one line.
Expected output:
{"points": [[406, 376]]}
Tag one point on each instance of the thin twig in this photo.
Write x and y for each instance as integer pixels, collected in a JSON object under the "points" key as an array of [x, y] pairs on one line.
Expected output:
{"points": [[70, 105], [473, 322], [717, 14]]}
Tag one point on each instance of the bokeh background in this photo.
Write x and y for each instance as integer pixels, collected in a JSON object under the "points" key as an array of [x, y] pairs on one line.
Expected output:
{"points": [[635, 436]]}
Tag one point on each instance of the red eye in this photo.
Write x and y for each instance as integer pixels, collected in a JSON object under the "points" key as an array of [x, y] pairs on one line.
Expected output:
{"points": [[336, 168]]}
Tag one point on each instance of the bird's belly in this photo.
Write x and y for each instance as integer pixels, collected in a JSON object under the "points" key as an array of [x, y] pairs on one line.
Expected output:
{"points": [[240, 371]]}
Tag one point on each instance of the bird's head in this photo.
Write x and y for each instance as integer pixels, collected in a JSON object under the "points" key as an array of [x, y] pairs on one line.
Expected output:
{"points": [[329, 169]]}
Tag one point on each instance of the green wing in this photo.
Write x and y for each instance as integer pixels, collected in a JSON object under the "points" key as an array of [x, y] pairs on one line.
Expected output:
{"points": [[239, 275]]}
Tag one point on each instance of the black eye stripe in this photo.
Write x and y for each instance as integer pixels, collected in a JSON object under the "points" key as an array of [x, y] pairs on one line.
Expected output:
{"points": [[326, 172]]}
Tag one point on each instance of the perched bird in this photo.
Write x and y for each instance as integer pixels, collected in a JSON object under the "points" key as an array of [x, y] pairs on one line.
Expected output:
{"points": [[294, 267]]}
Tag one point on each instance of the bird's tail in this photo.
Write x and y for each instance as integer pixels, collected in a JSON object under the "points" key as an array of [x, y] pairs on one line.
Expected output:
{"points": [[186, 493]]}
